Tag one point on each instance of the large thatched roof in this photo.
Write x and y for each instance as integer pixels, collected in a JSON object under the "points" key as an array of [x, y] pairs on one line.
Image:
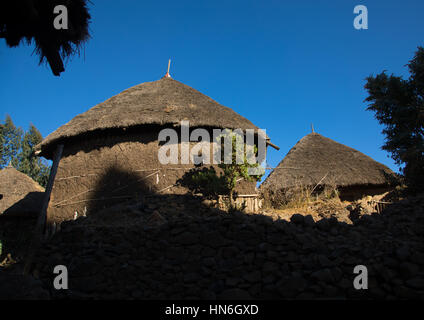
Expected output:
{"points": [[162, 102], [20, 194], [315, 158]]}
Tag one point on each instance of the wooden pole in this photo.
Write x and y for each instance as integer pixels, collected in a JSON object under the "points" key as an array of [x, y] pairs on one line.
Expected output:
{"points": [[272, 145], [43, 218], [167, 72]]}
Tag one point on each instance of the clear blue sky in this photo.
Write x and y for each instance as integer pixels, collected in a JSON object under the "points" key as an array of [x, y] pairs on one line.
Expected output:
{"points": [[281, 64]]}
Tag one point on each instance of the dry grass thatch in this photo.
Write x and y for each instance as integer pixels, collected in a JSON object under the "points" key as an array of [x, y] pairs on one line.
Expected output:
{"points": [[162, 102], [21, 194], [317, 160]]}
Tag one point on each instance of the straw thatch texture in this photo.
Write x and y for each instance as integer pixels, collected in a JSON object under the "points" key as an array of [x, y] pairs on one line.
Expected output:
{"points": [[21, 194], [317, 159], [164, 102]]}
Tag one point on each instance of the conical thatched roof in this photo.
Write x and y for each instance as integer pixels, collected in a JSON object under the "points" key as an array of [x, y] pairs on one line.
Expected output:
{"points": [[20, 194], [162, 102], [315, 158]]}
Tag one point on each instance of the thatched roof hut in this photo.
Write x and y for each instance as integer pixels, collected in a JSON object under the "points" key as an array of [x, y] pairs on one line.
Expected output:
{"points": [[317, 160], [20, 195], [163, 103], [111, 151]]}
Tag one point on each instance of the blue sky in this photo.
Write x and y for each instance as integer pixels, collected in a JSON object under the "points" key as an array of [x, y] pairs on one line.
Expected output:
{"points": [[281, 64]]}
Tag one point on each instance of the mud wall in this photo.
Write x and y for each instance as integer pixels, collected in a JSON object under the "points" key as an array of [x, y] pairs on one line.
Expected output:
{"points": [[104, 170]]}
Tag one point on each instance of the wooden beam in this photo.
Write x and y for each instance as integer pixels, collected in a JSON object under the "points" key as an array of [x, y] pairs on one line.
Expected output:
{"points": [[43, 218], [44, 215], [272, 145]]}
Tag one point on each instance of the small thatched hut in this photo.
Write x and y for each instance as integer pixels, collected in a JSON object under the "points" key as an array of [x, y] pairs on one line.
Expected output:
{"points": [[20, 196], [110, 152], [316, 161]]}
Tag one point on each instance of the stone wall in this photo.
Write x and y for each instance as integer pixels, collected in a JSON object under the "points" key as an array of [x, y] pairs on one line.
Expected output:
{"points": [[194, 252]]}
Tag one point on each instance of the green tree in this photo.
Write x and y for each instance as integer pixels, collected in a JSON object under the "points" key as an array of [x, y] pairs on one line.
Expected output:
{"points": [[11, 142], [399, 106], [17, 148], [210, 183], [235, 170], [28, 163]]}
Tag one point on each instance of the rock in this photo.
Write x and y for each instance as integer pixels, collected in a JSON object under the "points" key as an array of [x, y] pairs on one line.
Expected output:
{"points": [[297, 218], [408, 270], [228, 252], [255, 290], [207, 203], [209, 262], [268, 279], [402, 253], [254, 276], [404, 292], [155, 219], [324, 261], [270, 267], [415, 283], [248, 258], [191, 277], [345, 284], [323, 225], [187, 238], [235, 294], [84, 284], [208, 295], [213, 239], [418, 257], [292, 286], [337, 273], [231, 282], [207, 252], [309, 221], [323, 275]]}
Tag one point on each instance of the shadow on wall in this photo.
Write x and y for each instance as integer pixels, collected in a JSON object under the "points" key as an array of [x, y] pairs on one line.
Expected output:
{"points": [[204, 180], [116, 186], [201, 252], [28, 207], [15, 236], [17, 223]]}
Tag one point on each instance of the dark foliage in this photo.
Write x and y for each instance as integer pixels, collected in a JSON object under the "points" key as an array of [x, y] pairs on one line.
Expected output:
{"points": [[32, 21], [204, 180], [399, 106]]}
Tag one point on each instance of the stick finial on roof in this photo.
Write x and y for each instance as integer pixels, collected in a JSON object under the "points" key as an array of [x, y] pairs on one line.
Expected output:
{"points": [[312, 128], [167, 75]]}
